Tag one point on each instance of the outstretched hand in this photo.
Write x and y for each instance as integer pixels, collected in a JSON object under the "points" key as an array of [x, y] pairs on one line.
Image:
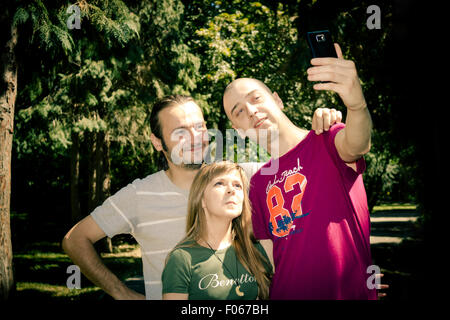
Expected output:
{"points": [[340, 76]]}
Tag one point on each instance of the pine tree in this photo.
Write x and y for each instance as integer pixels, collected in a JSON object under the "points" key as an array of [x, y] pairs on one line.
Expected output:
{"points": [[44, 26], [49, 36]]}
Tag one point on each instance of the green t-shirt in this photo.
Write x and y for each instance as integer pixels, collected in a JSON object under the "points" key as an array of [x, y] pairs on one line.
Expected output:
{"points": [[198, 272]]}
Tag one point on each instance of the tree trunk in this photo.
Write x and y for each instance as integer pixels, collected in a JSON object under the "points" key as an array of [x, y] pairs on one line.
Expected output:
{"points": [[7, 105], [106, 183], [103, 183], [75, 178], [106, 168], [92, 167]]}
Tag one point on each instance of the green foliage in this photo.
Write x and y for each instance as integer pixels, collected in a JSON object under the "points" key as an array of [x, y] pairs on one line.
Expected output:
{"points": [[382, 172], [35, 132], [241, 39], [89, 93], [113, 19], [52, 35], [166, 64]]}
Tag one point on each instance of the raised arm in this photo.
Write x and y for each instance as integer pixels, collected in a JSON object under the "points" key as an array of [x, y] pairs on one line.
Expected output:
{"points": [[341, 76], [78, 243]]}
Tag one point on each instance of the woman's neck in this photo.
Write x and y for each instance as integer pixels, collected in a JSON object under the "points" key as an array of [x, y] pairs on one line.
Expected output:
{"points": [[218, 235]]}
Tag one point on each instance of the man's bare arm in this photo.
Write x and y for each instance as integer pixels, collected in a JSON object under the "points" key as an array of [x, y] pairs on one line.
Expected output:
{"points": [[78, 243], [354, 141], [340, 75]]}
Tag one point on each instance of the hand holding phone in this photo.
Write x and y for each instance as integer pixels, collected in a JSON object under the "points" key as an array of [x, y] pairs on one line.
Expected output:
{"points": [[338, 75], [321, 44]]}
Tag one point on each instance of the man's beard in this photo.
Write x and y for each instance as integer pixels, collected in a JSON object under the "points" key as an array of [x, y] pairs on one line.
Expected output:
{"points": [[189, 166]]}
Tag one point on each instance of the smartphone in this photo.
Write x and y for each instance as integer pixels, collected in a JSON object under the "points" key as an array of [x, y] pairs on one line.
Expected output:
{"points": [[321, 44]]}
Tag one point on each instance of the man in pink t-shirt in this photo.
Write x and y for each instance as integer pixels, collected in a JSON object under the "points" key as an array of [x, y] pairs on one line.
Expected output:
{"points": [[309, 202]]}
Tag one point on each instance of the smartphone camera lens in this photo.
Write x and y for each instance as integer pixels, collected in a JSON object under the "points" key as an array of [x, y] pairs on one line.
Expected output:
{"points": [[320, 37]]}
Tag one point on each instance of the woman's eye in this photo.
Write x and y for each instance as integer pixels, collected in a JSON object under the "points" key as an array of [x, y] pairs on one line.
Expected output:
{"points": [[219, 183], [238, 186]]}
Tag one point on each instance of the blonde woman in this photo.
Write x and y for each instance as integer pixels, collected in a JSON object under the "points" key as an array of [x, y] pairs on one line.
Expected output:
{"points": [[219, 258]]}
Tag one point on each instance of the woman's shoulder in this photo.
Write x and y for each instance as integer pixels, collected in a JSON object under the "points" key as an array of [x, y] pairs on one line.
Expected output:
{"points": [[187, 248], [182, 251]]}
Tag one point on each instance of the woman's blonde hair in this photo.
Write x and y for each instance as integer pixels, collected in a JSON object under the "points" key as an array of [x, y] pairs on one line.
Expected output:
{"points": [[243, 237]]}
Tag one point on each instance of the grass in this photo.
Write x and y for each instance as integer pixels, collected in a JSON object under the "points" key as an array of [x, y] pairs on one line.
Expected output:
{"points": [[401, 263], [41, 271], [40, 267], [395, 206], [41, 291]]}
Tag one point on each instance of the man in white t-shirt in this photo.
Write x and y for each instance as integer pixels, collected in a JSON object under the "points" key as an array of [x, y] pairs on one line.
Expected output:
{"points": [[153, 210]]}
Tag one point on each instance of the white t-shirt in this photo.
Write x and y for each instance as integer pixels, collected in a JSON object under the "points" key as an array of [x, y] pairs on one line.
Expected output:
{"points": [[153, 210]]}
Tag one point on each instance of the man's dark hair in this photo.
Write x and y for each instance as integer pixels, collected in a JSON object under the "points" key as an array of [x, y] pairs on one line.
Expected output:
{"points": [[161, 104], [155, 124]]}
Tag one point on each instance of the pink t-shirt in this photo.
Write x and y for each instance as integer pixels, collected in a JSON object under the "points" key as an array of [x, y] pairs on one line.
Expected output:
{"points": [[314, 209]]}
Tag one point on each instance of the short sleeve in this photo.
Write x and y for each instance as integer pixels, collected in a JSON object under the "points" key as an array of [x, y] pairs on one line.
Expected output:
{"points": [[176, 276], [116, 214], [331, 147]]}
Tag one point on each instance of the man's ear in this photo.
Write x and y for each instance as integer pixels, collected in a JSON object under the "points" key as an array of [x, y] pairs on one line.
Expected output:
{"points": [[156, 142], [278, 100]]}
